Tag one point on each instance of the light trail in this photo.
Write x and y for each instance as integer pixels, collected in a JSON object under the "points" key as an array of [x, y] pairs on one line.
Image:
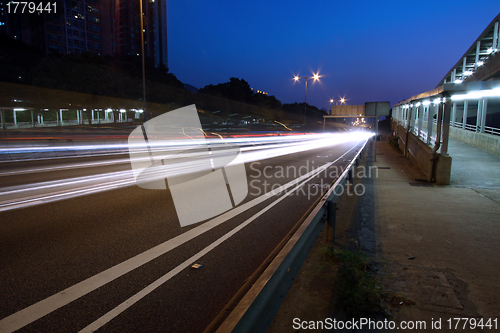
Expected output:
{"points": [[178, 164], [42, 308]]}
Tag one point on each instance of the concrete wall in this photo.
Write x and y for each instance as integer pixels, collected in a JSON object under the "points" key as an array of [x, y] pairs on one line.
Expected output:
{"points": [[485, 141], [435, 167], [420, 153]]}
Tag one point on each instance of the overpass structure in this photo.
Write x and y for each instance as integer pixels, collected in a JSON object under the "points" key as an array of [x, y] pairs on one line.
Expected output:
{"points": [[465, 105]]}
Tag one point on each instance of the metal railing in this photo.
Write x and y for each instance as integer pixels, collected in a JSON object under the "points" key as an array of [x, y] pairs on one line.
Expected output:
{"points": [[423, 134], [474, 128], [457, 124]]}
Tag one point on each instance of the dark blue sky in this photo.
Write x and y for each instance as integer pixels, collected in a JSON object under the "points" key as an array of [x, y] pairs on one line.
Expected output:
{"points": [[364, 50]]}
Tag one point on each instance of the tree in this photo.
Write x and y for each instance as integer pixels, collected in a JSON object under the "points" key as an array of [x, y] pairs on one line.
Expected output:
{"points": [[235, 89]]}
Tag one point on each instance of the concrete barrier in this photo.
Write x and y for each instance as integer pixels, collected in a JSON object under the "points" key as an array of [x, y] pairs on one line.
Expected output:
{"points": [[485, 141], [436, 167], [421, 154]]}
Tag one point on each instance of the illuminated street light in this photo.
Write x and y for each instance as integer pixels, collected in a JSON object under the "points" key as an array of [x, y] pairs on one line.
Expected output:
{"points": [[296, 78]]}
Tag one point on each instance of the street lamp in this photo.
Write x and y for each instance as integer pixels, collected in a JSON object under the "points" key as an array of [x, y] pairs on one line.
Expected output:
{"points": [[336, 101], [314, 77], [144, 114]]}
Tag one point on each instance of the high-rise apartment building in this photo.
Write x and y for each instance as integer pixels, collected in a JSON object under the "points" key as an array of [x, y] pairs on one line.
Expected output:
{"points": [[3, 18], [127, 27], [108, 27], [156, 31]]}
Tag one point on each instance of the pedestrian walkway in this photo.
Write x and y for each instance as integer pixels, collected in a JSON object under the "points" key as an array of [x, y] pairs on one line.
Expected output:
{"points": [[473, 166], [440, 243], [437, 245]]}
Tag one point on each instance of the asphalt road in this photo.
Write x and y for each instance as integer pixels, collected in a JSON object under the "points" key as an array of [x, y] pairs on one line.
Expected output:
{"points": [[119, 261]]}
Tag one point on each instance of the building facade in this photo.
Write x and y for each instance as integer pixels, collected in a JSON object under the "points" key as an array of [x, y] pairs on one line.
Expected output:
{"points": [[107, 27]]}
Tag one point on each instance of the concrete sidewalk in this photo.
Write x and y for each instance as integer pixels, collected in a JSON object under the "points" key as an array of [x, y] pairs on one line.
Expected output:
{"points": [[437, 245], [473, 167], [440, 244]]}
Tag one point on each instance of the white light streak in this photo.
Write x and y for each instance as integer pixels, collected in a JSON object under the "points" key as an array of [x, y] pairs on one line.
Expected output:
{"points": [[175, 164]]}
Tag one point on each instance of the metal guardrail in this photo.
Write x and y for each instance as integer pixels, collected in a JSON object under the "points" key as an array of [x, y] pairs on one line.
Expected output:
{"points": [[257, 309]]}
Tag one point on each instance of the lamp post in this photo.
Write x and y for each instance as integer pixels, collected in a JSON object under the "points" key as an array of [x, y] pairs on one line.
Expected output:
{"points": [[144, 114], [296, 78], [336, 101]]}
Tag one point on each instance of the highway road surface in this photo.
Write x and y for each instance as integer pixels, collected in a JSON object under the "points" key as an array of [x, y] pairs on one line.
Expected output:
{"points": [[83, 248]]}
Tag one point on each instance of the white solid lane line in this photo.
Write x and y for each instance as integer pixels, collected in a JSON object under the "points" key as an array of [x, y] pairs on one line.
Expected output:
{"points": [[144, 292], [68, 295]]}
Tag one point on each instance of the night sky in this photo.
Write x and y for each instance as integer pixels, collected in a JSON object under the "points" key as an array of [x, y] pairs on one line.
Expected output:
{"points": [[364, 50]]}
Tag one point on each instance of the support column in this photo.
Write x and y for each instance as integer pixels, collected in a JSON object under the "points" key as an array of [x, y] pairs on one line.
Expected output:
{"points": [[464, 117], [32, 119], [479, 116], [430, 122], [453, 114], [15, 118], [78, 117], [407, 117], [420, 118], [92, 114], [376, 134], [408, 127], [484, 111], [414, 118], [478, 49], [464, 65], [454, 75], [60, 116], [2, 118], [446, 127], [410, 116], [495, 36]]}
